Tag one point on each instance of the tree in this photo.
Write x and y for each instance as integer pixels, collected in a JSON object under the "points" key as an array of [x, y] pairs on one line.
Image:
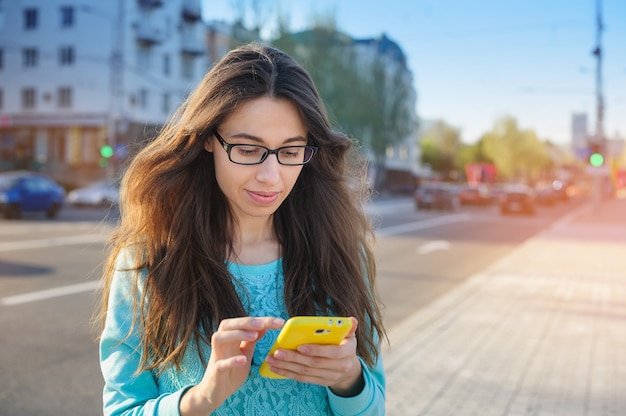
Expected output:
{"points": [[328, 56], [517, 154], [440, 145], [256, 11]]}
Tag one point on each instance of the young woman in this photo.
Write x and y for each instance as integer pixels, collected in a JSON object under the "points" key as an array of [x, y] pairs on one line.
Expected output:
{"points": [[239, 215]]}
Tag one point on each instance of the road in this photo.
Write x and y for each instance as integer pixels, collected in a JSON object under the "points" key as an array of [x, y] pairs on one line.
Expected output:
{"points": [[49, 270]]}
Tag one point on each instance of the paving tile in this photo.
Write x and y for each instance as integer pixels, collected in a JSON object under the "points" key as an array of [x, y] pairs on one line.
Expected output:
{"points": [[541, 332]]}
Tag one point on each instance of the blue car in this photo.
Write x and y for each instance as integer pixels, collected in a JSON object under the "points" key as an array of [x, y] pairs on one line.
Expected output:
{"points": [[23, 191]]}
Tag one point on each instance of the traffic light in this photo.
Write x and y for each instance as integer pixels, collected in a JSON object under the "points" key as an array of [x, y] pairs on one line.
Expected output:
{"points": [[106, 151], [596, 158]]}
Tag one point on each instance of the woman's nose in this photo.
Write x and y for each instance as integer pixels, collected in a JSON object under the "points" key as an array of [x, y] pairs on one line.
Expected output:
{"points": [[269, 170]]}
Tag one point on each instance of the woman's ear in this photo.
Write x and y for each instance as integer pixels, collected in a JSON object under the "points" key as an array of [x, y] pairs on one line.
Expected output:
{"points": [[208, 144]]}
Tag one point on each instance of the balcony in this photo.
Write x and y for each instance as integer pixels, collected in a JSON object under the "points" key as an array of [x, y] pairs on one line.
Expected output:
{"points": [[192, 11], [148, 34], [150, 4], [193, 47]]}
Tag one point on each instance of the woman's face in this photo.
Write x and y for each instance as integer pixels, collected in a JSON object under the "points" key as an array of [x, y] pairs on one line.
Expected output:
{"points": [[258, 190]]}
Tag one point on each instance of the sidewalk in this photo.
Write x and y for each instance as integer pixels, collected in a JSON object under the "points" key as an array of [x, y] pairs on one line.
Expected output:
{"points": [[541, 332]]}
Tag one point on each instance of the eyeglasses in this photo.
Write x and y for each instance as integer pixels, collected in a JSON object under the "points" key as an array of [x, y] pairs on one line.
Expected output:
{"points": [[252, 154]]}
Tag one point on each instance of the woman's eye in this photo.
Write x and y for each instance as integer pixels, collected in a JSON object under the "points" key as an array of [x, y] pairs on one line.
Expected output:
{"points": [[291, 153], [249, 151]]}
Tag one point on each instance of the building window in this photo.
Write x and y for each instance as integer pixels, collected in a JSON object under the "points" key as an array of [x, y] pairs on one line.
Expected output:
{"points": [[29, 57], [65, 97], [143, 98], [166, 103], [67, 16], [28, 98], [66, 55], [30, 18], [166, 65], [143, 57], [187, 68]]}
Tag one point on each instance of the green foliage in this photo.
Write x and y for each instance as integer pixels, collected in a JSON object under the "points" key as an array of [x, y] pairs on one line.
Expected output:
{"points": [[366, 98], [441, 146], [516, 153]]}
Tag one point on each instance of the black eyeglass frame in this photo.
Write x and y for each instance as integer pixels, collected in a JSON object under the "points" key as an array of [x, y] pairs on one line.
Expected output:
{"points": [[228, 147]]}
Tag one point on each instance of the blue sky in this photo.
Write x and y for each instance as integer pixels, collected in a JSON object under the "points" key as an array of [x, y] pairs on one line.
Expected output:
{"points": [[477, 60]]}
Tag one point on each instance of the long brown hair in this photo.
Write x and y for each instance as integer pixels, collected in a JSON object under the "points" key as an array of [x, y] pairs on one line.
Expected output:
{"points": [[178, 223]]}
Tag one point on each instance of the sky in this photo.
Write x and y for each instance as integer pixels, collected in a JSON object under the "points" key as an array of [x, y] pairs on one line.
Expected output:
{"points": [[475, 61]]}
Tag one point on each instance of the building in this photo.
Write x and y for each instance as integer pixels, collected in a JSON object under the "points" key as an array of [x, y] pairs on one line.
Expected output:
{"points": [[77, 75], [402, 156]]}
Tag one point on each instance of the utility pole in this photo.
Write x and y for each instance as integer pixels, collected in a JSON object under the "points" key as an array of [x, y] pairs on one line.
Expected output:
{"points": [[598, 159], [597, 52]]}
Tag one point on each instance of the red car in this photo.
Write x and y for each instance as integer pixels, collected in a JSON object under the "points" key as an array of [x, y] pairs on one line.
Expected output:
{"points": [[475, 195]]}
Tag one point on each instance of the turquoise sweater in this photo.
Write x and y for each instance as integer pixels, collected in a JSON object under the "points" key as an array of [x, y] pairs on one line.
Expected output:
{"points": [[146, 393]]}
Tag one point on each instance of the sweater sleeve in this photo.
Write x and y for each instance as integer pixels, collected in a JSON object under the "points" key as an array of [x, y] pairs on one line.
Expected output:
{"points": [[126, 391], [371, 400]]}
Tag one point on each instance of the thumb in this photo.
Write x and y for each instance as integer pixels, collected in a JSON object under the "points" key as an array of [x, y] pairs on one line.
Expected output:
{"points": [[352, 331]]}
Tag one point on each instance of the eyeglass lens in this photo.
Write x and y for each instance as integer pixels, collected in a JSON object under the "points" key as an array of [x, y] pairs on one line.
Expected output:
{"points": [[252, 154]]}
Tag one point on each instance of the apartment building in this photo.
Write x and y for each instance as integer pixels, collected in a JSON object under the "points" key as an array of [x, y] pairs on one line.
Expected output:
{"points": [[402, 157], [79, 75]]}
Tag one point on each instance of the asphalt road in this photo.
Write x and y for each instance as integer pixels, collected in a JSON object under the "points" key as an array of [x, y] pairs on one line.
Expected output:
{"points": [[49, 270]]}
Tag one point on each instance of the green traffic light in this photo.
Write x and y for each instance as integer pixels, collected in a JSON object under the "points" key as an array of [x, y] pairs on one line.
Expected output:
{"points": [[106, 151], [596, 160]]}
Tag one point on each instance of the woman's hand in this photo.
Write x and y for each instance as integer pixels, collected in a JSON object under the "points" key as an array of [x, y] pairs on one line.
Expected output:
{"points": [[232, 347], [335, 366]]}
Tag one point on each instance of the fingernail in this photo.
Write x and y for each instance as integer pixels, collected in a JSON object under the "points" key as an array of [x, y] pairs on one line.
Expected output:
{"points": [[278, 321], [280, 355]]}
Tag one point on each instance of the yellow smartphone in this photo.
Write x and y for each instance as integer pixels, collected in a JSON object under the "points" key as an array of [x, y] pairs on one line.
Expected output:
{"points": [[298, 330]]}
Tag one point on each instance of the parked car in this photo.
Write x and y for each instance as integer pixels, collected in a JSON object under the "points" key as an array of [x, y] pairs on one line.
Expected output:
{"points": [[436, 196], [475, 195], [103, 193], [517, 199], [24, 191]]}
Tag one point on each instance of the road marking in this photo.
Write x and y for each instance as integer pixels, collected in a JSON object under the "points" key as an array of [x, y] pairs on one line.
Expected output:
{"points": [[423, 224], [402, 205], [53, 242], [95, 238], [433, 246], [50, 293], [29, 228]]}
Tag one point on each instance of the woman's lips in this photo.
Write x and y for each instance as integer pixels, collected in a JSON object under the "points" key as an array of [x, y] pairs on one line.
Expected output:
{"points": [[263, 197]]}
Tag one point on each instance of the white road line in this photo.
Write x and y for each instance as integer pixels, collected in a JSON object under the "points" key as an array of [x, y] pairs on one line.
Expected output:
{"points": [[93, 238], [49, 293], [52, 242], [423, 224], [433, 246], [29, 228]]}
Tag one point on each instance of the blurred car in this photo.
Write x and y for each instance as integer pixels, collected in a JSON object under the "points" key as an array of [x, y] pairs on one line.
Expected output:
{"points": [[475, 195], [98, 194], [545, 194], [23, 191], [517, 199], [436, 196], [560, 190]]}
